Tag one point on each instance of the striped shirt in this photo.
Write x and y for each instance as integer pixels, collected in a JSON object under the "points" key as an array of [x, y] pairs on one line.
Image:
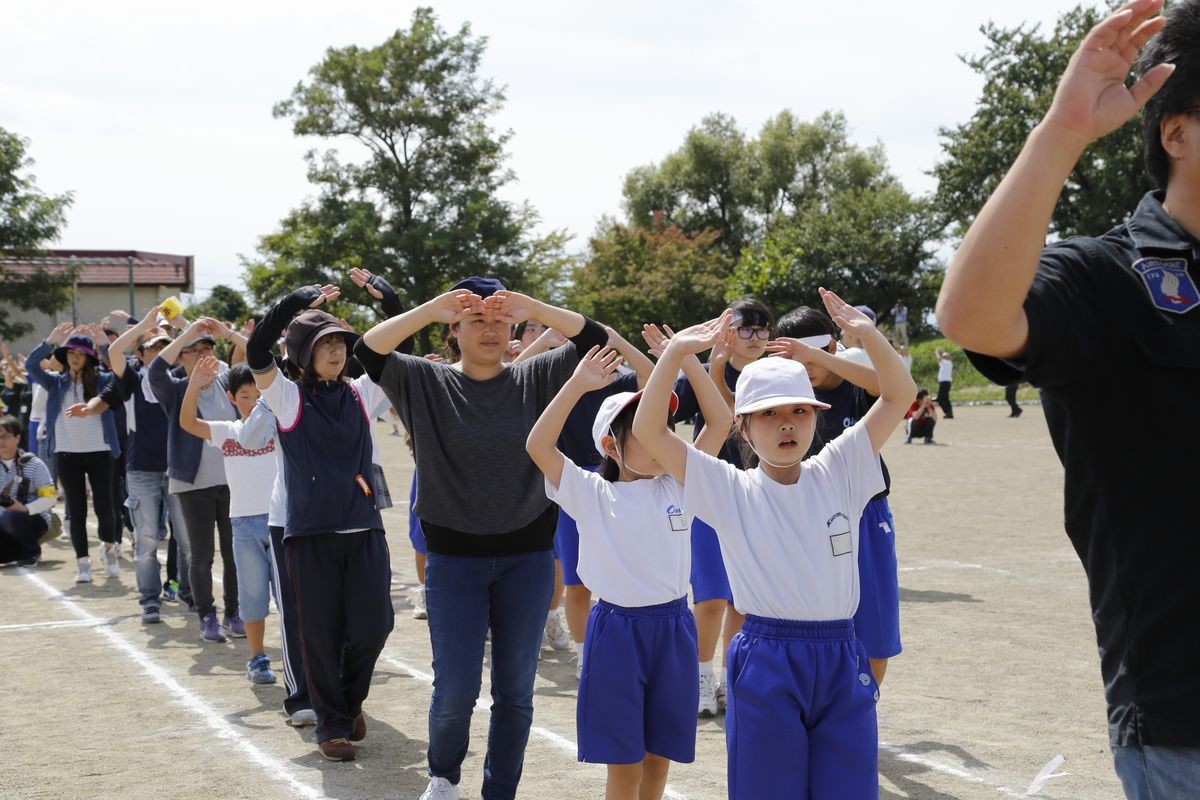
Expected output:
{"points": [[77, 434], [40, 490]]}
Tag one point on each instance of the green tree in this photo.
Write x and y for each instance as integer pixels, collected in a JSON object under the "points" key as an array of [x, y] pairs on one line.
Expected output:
{"points": [[656, 273], [418, 203], [28, 219], [1021, 68], [223, 304]]}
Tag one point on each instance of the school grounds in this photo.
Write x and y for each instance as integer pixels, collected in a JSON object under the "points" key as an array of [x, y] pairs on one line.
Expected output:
{"points": [[999, 676]]}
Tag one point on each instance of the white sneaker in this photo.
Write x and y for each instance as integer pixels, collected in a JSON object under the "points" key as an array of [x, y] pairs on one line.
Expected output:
{"points": [[720, 695], [440, 789], [111, 565], [557, 636], [302, 718], [708, 696], [84, 575], [418, 600], [578, 668]]}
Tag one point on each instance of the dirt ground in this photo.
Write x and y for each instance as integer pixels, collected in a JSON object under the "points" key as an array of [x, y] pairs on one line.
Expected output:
{"points": [[999, 675]]}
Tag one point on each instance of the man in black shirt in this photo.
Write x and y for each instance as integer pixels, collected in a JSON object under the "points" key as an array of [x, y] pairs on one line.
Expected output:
{"points": [[1089, 320]]}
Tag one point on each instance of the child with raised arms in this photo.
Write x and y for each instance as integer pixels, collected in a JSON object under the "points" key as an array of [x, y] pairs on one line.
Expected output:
{"points": [[801, 716], [638, 688]]}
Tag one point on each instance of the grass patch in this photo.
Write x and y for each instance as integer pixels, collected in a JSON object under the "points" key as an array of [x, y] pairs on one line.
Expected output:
{"points": [[968, 386]]}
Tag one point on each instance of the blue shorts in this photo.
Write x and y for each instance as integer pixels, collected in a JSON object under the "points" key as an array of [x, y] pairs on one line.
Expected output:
{"points": [[566, 548], [877, 621], [415, 534], [709, 581], [640, 684], [252, 556], [800, 719]]}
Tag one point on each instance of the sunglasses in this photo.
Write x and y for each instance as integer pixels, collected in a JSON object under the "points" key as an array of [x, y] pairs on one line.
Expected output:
{"points": [[753, 332]]}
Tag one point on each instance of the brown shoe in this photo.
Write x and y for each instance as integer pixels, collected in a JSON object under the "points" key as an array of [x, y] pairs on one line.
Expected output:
{"points": [[338, 750], [359, 732]]}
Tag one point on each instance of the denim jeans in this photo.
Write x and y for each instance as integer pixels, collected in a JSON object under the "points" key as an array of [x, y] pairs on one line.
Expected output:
{"points": [[1158, 773], [464, 595], [149, 506], [252, 554]]}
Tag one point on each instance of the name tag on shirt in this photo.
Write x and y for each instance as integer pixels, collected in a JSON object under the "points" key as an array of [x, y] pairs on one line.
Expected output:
{"points": [[678, 522], [840, 542]]}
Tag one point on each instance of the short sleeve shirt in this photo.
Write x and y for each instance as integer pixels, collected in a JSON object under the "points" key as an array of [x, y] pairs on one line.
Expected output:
{"points": [[791, 552], [1115, 320], [250, 473], [635, 545]]}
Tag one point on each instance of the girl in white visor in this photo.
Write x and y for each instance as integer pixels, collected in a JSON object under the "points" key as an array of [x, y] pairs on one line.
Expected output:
{"points": [[801, 715]]}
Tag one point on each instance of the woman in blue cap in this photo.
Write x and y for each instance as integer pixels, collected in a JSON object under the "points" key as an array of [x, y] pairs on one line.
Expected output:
{"points": [[85, 446], [489, 527]]}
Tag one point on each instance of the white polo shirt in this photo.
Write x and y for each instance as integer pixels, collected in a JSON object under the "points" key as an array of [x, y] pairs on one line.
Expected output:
{"points": [[635, 542], [791, 552]]}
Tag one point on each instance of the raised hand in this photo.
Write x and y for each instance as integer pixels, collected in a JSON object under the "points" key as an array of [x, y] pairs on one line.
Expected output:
{"points": [[655, 339], [597, 369], [699, 338], [248, 328], [510, 307], [328, 292], [453, 306], [206, 370], [794, 349], [846, 316], [434, 357], [213, 327], [361, 278], [60, 334], [1092, 99], [119, 314]]}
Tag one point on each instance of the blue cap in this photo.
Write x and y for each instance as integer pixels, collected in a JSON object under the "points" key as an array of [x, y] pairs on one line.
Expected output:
{"points": [[484, 287], [868, 311]]}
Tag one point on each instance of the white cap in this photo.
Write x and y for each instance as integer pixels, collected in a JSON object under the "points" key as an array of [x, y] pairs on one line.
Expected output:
{"points": [[611, 408], [771, 382]]}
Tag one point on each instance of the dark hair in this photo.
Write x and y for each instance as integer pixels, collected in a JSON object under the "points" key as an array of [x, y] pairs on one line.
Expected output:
{"points": [[12, 425], [238, 376], [752, 311], [89, 376], [621, 427], [922, 393], [450, 345], [518, 330], [1175, 44], [806, 321]]}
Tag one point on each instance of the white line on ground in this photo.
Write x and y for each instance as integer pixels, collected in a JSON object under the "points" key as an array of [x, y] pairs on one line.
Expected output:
{"points": [[561, 742], [189, 699], [950, 564], [64, 623], [948, 769]]}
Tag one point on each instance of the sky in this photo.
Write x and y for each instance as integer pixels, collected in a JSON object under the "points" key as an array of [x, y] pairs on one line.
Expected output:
{"points": [[159, 120]]}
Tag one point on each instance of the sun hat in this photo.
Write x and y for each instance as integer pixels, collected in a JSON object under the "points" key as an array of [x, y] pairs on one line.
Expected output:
{"points": [[771, 382], [83, 344], [309, 326], [612, 407]]}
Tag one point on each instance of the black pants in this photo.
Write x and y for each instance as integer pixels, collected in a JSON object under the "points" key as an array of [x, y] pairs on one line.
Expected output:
{"points": [[342, 583], [943, 399], [294, 675], [921, 429], [19, 534], [1010, 395], [120, 491], [203, 510], [76, 471]]}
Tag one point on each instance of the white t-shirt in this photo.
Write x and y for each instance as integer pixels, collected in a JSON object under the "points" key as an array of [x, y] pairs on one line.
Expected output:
{"points": [[791, 552], [37, 410], [635, 542], [945, 369], [249, 473]]}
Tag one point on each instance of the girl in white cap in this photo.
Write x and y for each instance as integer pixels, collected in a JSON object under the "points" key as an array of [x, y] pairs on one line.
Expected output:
{"points": [[801, 715], [638, 689]]}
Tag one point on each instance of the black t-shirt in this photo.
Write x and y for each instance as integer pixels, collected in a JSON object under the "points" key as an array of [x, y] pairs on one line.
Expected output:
{"points": [[1113, 321], [689, 409], [847, 405]]}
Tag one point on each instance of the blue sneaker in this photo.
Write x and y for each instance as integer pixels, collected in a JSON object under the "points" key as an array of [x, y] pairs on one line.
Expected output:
{"points": [[234, 626], [171, 591], [258, 669], [210, 631]]}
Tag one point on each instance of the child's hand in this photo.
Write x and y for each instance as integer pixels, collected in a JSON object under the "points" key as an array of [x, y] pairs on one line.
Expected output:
{"points": [[597, 369], [794, 349], [657, 340], [699, 338], [846, 316], [722, 349], [206, 370]]}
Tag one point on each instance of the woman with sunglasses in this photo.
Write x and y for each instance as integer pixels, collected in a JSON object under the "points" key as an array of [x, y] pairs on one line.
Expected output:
{"points": [[712, 598]]}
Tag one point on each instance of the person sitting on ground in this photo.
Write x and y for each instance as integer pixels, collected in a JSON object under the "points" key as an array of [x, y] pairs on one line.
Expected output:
{"points": [[921, 418], [27, 494]]}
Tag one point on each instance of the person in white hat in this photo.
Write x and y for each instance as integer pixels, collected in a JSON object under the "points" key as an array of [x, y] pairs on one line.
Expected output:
{"points": [[638, 688], [801, 718]]}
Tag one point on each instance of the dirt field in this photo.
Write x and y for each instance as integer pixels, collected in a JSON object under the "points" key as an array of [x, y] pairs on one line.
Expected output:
{"points": [[999, 675]]}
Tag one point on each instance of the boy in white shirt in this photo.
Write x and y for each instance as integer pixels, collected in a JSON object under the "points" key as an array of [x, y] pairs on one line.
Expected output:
{"points": [[251, 477]]}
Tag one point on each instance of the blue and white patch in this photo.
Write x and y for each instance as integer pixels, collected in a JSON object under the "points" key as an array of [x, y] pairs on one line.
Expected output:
{"points": [[1171, 287]]}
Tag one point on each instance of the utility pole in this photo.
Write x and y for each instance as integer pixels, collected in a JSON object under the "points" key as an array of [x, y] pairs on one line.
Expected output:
{"points": [[132, 307]]}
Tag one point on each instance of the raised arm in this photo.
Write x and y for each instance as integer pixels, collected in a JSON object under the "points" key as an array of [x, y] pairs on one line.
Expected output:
{"points": [[896, 387], [650, 421], [389, 302], [981, 304], [447, 309], [860, 375], [205, 373], [128, 339], [595, 370], [712, 393], [261, 343], [634, 358], [33, 362]]}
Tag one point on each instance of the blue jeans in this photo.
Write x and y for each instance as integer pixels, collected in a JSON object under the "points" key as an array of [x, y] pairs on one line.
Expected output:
{"points": [[1158, 773], [252, 554], [464, 595], [149, 505]]}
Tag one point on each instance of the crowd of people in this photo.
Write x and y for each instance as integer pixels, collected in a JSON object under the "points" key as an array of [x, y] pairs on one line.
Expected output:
{"points": [[548, 468]]}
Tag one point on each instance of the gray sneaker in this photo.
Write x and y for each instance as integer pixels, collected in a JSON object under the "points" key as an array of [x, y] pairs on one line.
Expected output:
{"points": [[150, 615], [210, 631], [111, 565], [302, 718], [83, 572]]}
